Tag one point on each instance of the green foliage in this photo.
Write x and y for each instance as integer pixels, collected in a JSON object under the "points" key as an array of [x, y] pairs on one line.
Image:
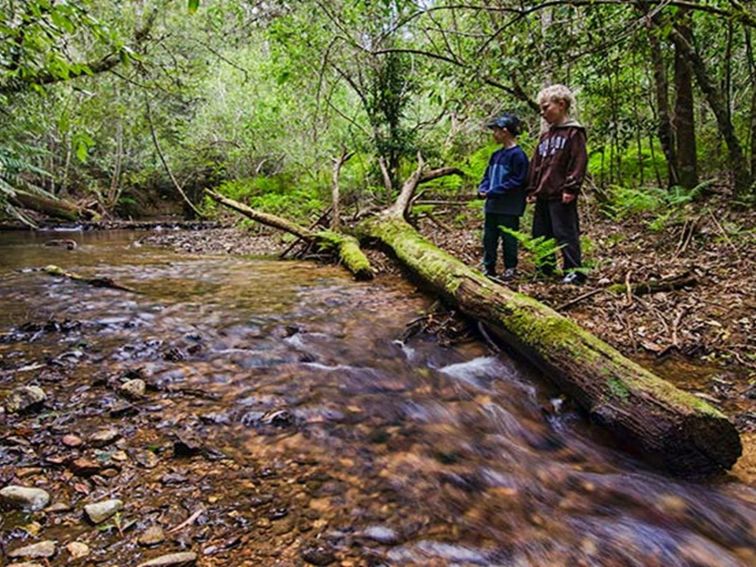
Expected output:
{"points": [[15, 175], [541, 249], [660, 207], [279, 195]]}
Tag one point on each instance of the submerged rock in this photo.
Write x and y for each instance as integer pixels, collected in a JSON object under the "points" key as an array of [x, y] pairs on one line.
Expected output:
{"points": [[133, 389], [317, 554], [184, 559], [20, 497], [101, 511], [381, 534], [25, 398], [104, 437], [42, 549]]}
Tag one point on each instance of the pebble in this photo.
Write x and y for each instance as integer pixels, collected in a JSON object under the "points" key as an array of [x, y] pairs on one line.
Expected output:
{"points": [[186, 558], [77, 549], [104, 437], [133, 389], [72, 441], [153, 535], [31, 499], [317, 554], [25, 398], [34, 551], [85, 467], [101, 511], [381, 534]]}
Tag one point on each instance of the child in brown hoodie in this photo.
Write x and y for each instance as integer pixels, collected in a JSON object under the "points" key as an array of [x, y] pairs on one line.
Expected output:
{"points": [[556, 174]]}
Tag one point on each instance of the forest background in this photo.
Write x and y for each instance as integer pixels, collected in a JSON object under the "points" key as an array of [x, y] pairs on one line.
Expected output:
{"points": [[124, 106]]}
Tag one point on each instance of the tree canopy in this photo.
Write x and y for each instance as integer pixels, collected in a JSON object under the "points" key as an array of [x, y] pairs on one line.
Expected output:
{"points": [[106, 102]]}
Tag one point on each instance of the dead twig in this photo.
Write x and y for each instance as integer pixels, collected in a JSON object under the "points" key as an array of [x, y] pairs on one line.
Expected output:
{"points": [[190, 520], [578, 299]]}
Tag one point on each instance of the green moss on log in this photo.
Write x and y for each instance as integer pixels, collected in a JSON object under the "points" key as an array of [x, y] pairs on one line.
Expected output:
{"points": [[349, 252]]}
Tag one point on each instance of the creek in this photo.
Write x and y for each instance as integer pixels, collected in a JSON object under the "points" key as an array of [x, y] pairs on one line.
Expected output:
{"points": [[287, 420]]}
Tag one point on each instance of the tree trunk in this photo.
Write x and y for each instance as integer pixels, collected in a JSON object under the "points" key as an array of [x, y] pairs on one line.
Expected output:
{"points": [[338, 163], [664, 125], [738, 167], [684, 120], [752, 75], [673, 428], [347, 247]]}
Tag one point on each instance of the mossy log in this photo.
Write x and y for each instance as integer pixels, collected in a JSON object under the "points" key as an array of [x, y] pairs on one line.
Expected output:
{"points": [[673, 428], [346, 247]]}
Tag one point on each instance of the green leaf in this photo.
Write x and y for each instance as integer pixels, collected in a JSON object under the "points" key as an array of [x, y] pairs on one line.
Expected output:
{"points": [[193, 6]]}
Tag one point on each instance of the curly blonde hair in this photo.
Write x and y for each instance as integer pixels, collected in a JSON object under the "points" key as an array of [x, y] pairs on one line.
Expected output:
{"points": [[558, 93]]}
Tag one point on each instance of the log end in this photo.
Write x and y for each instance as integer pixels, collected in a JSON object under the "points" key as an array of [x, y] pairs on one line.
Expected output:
{"points": [[698, 444]]}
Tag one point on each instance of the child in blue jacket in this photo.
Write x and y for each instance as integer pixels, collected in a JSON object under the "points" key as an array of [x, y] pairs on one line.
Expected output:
{"points": [[504, 188]]}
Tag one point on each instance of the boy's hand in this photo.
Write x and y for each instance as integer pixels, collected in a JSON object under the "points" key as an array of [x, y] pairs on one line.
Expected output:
{"points": [[481, 194], [531, 199], [568, 198]]}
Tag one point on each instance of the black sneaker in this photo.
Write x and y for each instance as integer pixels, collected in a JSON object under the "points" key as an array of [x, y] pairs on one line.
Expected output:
{"points": [[574, 278], [509, 274]]}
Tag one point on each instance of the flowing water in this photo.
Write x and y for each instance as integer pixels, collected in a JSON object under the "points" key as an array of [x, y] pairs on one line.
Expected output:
{"points": [[288, 423]]}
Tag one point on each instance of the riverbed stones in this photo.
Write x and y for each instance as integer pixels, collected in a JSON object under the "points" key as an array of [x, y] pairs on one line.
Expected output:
{"points": [[20, 497], [104, 437], [41, 550], [77, 550], [316, 553], [72, 441], [154, 535], [85, 467], [24, 399], [101, 511], [183, 559], [133, 389]]}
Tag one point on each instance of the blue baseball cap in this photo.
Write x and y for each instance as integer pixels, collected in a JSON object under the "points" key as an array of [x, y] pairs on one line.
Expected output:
{"points": [[508, 121]]}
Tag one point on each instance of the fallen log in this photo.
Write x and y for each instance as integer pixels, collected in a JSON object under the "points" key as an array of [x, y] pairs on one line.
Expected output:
{"points": [[347, 247], [674, 428], [54, 270], [55, 208], [655, 286]]}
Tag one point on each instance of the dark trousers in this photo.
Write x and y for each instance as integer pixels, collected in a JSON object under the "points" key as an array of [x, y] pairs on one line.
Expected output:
{"points": [[491, 235], [554, 219]]}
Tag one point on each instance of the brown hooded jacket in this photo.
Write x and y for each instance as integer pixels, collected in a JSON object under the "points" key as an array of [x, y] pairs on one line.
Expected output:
{"points": [[559, 162]]}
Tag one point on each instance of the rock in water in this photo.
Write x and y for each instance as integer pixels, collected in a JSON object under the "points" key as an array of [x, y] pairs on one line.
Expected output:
{"points": [[104, 437], [42, 549], [184, 559], [133, 389], [24, 399], [23, 498], [317, 553], [101, 511]]}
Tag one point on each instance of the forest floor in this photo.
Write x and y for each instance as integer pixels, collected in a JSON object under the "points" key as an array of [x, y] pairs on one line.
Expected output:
{"points": [[701, 336]]}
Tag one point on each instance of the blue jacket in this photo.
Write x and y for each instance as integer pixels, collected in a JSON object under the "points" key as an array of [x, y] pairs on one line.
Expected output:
{"points": [[505, 182]]}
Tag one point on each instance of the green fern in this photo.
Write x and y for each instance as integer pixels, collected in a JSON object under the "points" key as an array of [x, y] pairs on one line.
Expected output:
{"points": [[540, 248]]}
